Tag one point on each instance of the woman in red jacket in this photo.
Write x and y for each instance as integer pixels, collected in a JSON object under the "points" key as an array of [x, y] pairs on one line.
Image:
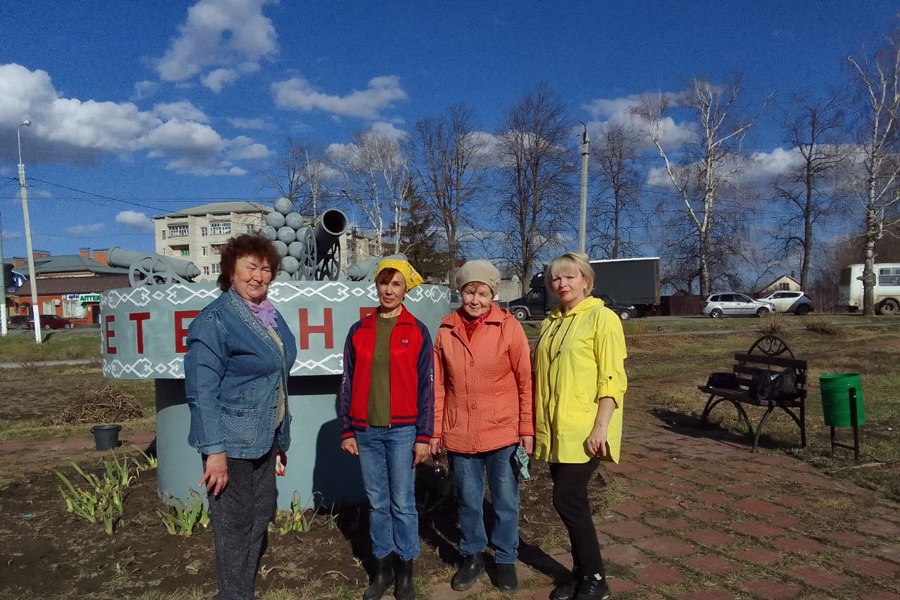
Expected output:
{"points": [[386, 413], [483, 413]]}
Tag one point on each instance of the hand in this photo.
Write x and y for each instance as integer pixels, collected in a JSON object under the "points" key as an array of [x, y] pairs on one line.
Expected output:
{"points": [[421, 452], [435, 446], [527, 442], [349, 446], [280, 463], [596, 442], [215, 476]]}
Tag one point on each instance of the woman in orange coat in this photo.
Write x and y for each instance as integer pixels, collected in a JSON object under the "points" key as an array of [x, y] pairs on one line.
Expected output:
{"points": [[483, 412]]}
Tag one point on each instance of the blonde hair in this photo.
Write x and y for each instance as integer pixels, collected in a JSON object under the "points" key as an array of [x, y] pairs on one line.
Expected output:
{"points": [[578, 260]]}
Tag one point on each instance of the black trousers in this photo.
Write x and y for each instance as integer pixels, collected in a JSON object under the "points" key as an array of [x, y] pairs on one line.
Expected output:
{"points": [[240, 518], [570, 499]]}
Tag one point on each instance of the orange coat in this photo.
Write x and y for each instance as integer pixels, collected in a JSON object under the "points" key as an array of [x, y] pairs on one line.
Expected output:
{"points": [[482, 387]]}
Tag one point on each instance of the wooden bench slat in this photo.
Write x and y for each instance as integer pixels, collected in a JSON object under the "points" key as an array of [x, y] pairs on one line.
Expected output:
{"points": [[781, 361]]}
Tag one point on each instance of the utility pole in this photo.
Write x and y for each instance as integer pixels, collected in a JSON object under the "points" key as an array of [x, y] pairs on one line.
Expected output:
{"points": [[3, 283], [582, 223], [35, 308]]}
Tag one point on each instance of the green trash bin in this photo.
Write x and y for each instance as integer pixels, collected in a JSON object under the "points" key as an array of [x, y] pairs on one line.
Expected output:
{"points": [[835, 389]]}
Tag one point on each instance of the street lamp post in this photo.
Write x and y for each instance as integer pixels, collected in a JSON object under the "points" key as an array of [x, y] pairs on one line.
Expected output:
{"points": [[582, 222], [35, 309]]}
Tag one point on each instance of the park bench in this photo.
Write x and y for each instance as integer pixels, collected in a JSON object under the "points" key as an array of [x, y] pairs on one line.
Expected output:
{"points": [[769, 356]]}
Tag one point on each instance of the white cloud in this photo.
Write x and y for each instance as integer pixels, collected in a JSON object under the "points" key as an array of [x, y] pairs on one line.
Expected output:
{"points": [[388, 130], [144, 89], [74, 130], [620, 111], [298, 94], [90, 229], [135, 220], [230, 37], [240, 123]]}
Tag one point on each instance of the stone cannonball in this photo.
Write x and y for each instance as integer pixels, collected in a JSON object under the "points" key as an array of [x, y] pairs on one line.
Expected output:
{"points": [[296, 249], [289, 264], [287, 234], [294, 220], [275, 219], [284, 206], [281, 247], [282, 276], [269, 232]]}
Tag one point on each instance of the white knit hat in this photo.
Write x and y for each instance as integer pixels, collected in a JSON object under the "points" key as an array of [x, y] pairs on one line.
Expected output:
{"points": [[478, 270]]}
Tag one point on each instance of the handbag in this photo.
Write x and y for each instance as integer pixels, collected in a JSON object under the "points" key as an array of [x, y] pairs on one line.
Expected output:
{"points": [[773, 385], [723, 380]]}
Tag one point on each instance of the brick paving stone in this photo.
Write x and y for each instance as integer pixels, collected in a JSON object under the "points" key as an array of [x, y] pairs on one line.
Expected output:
{"points": [[772, 590], [888, 551], [670, 524], [623, 467], [665, 545], [630, 508], [813, 479], [754, 506], [880, 596], [656, 574], [878, 527], [625, 555], [819, 578], [749, 477], [652, 477], [628, 530], [618, 585], [785, 521], [716, 594], [870, 566], [776, 460], [755, 529], [710, 537], [708, 515], [656, 463], [712, 564], [758, 556], [645, 491], [677, 503], [849, 539], [743, 490], [714, 498], [800, 545], [680, 486], [708, 480], [792, 502]]}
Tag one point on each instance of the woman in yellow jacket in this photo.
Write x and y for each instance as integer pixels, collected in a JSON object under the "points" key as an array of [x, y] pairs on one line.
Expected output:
{"points": [[580, 385]]}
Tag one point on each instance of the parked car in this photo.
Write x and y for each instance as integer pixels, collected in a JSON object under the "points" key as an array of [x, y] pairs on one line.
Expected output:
{"points": [[735, 304], [51, 322], [18, 322], [625, 311], [795, 302]]}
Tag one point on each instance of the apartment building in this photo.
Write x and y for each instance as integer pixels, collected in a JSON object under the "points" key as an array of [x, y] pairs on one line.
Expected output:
{"points": [[198, 233]]}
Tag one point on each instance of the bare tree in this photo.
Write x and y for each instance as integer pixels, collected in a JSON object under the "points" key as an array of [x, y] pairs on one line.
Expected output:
{"points": [[878, 174], [616, 155], [376, 180], [535, 175], [708, 162], [811, 129], [300, 177], [448, 154]]}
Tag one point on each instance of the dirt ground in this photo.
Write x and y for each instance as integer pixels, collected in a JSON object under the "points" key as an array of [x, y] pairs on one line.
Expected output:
{"points": [[47, 553]]}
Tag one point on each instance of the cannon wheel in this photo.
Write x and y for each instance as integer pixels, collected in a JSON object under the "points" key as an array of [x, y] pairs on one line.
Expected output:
{"points": [[146, 271], [307, 269], [329, 265]]}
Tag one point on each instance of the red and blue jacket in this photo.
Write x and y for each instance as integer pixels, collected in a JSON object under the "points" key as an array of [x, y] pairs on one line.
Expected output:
{"points": [[411, 373]]}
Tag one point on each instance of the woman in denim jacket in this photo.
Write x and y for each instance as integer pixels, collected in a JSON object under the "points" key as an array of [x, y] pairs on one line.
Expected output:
{"points": [[240, 353]]}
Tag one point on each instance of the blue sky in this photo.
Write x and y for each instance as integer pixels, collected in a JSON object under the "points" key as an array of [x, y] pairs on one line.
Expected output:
{"points": [[141, 108]]}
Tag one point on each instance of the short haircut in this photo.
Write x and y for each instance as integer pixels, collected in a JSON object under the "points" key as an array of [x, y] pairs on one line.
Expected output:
{"points": [[473, 285], [387, 274], [577, 260], [248, 244]]}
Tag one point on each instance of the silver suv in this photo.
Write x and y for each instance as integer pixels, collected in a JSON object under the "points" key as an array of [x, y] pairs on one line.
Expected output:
{"points": [[795, 302], [735, 304]]}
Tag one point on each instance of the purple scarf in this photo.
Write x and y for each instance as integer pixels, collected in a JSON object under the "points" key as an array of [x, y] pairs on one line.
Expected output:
{"points": [[264, 311]]}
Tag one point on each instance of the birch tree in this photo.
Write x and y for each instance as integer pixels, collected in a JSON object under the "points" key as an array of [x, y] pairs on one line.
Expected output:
{"points": [[534, 176], [300, 177], [877, 175], [705, 164], [616, 157], [449, 158]]}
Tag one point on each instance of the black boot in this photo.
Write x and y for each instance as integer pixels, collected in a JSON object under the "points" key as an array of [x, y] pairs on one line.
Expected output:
{"points": [[592, 587], [566, 590], [469, 570], [505, 578], [404, 589], [382, 579]]}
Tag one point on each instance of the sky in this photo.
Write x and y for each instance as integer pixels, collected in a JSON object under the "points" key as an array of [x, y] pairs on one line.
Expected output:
{"points": [[144, 108]]}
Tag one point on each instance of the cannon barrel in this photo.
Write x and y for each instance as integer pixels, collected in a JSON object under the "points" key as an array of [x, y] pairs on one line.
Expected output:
{"points": [[365, 270], [331, 226], [156, 263]]}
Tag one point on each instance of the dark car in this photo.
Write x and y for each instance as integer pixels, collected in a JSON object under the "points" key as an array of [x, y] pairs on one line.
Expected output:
{"points": [[18, 322], [51, 322], [625, 311]]}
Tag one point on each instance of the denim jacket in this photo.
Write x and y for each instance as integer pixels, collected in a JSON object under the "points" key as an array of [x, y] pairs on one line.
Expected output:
{"points": [[232, 369]]}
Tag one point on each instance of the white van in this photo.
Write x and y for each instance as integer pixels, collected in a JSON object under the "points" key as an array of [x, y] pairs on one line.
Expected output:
{"points": [[887, 288]]}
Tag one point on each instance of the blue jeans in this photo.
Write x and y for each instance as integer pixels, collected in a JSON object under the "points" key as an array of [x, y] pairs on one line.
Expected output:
{"points": [[468, 476], [386, 457]]}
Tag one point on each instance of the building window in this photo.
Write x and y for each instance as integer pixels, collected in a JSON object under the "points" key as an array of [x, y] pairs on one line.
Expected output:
{"points": [[204, 231], [784, 286], [185, 252], [216, 269], [163, 234], [205, 270], [249, 228], [72, 309], [205, 251], [178, 231], [47, 308], [217, 249], [220, 227]]}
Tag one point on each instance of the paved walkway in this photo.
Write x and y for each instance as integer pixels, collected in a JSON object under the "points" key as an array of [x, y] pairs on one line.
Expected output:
{"points": [[698, 518]]}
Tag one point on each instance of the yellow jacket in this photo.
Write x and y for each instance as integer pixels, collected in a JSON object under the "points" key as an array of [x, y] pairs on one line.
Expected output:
{"points": [[580, 358]]}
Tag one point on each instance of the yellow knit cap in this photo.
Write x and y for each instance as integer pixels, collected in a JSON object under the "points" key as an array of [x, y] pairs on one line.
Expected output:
{"points": [[411, 276]]}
